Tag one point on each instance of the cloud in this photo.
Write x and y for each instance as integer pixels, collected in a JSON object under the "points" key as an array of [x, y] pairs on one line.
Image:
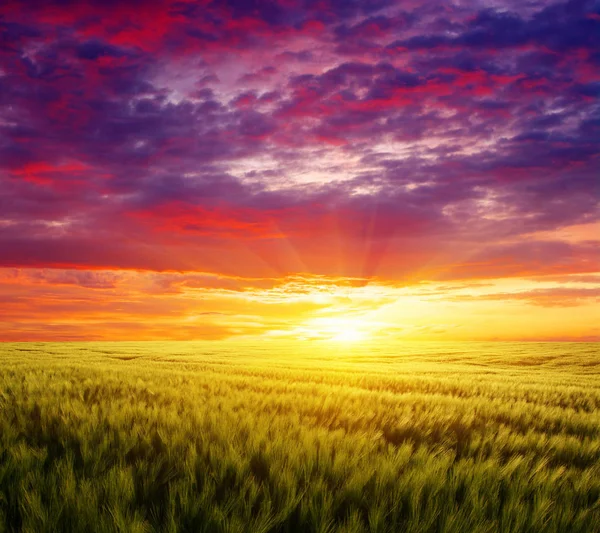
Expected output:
{"points": [[555, 297]]}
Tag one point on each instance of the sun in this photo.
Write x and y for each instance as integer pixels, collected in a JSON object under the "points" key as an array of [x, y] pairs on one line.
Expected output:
{"points": [[335, 329], [349, 336], [346, 330]]}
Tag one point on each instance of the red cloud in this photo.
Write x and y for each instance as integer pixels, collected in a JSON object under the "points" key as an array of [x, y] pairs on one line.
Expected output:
{"points": [[61, 176]]}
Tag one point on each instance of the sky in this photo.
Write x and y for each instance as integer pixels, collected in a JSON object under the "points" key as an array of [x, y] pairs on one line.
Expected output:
{"points": [[299, 169]]}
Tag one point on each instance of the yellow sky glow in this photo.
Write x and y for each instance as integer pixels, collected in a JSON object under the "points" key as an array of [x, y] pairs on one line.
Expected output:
{"points": [[46, 304]]}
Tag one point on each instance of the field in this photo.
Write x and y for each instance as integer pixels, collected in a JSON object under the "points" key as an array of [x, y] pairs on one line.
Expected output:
{"points": [[201, 437]]}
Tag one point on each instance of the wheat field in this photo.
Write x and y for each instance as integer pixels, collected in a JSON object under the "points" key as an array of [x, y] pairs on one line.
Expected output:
{"points": [[305, 437]]}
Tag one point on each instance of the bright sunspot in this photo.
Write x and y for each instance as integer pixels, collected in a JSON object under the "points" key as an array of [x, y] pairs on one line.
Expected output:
{"points": [[349, 336], [345, 330]]}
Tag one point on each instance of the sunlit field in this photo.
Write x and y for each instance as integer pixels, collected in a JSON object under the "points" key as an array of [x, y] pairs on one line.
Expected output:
{"points": [[313, 437]]}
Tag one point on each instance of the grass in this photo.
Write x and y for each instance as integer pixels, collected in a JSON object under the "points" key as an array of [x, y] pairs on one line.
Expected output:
{"points": [[185, 437]]}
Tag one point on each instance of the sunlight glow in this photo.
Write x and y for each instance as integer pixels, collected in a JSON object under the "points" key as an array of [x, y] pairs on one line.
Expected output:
{"points": [[346, 330], [349, 336]]}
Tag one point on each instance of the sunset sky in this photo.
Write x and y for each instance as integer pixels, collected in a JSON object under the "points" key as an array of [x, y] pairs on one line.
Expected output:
{"points": [[300, 169]]}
